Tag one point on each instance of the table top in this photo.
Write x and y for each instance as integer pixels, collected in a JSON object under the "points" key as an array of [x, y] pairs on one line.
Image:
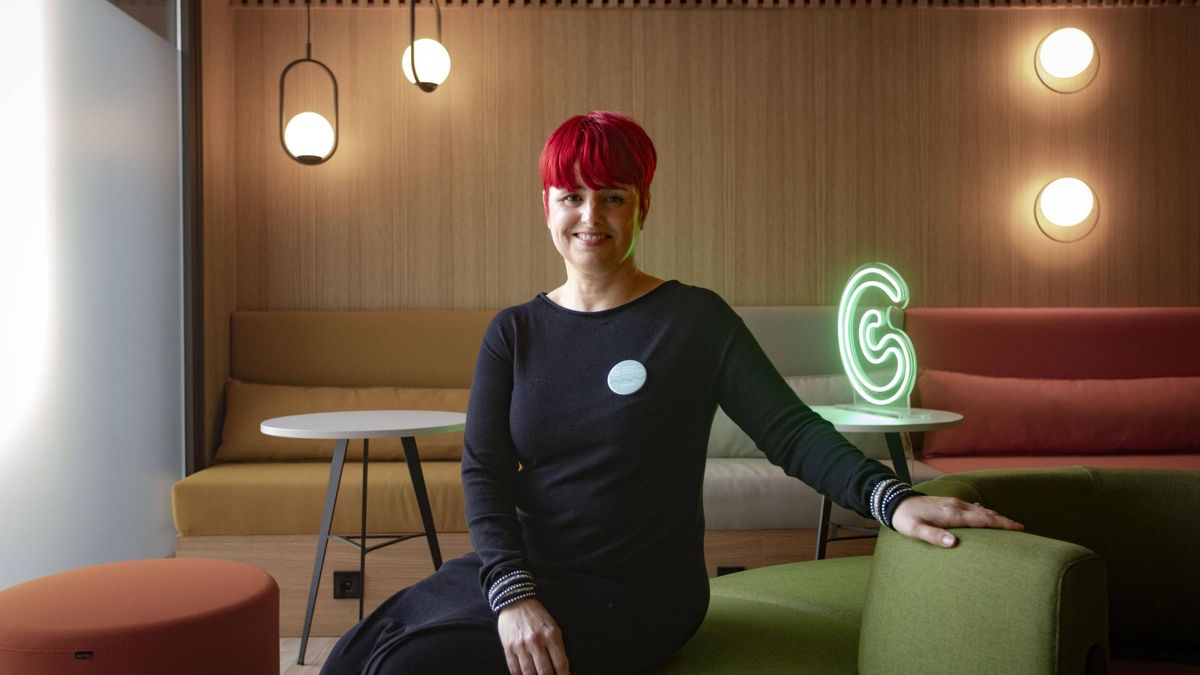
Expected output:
{"points": [[365, 424], [921, 419]]}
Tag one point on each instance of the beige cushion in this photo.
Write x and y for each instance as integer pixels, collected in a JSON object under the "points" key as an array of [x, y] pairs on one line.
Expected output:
{"points": [[289, 498], [248, 404], [728, 440]]}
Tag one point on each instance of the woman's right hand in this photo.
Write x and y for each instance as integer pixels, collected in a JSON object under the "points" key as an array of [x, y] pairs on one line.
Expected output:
{"points": [[532, 641]]}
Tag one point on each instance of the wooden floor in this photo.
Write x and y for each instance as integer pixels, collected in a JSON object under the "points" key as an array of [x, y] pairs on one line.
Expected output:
{"points": [[318, 647]]}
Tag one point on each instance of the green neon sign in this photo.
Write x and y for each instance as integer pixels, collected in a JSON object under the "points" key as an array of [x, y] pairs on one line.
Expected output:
{"points": [[877, 356]]}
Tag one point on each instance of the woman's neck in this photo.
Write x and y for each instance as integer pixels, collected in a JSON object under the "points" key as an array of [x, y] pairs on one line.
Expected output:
{"points": [[597, 292]]}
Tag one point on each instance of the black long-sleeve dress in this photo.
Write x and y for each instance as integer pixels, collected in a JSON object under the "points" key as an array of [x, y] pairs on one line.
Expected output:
{"points": [[597, 493]]}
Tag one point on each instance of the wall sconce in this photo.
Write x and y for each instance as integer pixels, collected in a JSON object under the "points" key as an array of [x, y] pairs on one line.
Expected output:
{"points": [[308, 138], [426, 62], [1066, 209], [1067, 60]]}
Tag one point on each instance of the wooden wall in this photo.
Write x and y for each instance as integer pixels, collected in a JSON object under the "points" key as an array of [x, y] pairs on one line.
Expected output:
{"points": [[795, 144]]}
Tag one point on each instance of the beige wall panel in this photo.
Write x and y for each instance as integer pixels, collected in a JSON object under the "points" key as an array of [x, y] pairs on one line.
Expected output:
{"points": [[794, 145]]}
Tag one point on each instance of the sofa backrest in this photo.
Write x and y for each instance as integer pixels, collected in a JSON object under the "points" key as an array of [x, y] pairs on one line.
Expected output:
{"points": [[290, 362], [432, 348], [1142, 523], [1057, 343], [1060, 381]]}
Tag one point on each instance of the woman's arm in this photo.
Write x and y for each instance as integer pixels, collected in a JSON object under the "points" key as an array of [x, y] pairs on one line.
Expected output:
{"points": [[805, 445], [489, 475], [531, 638]]}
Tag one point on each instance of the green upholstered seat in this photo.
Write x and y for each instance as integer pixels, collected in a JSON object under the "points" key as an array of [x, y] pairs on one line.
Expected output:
{"points": [[1108, 556], [795, 619]]}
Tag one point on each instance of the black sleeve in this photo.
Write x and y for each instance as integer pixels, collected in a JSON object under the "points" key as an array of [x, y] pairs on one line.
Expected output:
{"points": [[756, 397], [489, 464]]}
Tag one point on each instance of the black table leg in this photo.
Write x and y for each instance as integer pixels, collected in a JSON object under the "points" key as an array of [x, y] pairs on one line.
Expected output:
{"points": [[418, 481], [362, 550], [899, 461], [331, 493], [823, 527]]}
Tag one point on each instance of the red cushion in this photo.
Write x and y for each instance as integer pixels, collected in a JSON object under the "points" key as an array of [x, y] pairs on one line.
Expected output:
{"points": [[1018, 416]]}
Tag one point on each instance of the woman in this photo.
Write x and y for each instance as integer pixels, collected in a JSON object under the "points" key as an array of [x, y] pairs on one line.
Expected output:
{"points": [[584, 453]]}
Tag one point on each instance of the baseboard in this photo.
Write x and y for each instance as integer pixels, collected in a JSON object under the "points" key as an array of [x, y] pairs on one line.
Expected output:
{"points": [[289, 559]]}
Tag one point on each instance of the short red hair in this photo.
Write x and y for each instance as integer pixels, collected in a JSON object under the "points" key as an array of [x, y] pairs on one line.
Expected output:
{"points": [[609, 148]]}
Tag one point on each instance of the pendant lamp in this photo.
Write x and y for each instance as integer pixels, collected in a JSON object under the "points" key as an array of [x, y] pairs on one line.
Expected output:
{"points": [[308, 137], [426, 62]]}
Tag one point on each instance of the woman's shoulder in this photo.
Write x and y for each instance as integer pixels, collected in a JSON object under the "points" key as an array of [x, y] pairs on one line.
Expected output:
{"points": [[701, 299]]}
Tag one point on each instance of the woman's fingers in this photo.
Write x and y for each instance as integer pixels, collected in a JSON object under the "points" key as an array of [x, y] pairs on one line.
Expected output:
{"points": [[533, 643], [926, 518], [526, 662]]}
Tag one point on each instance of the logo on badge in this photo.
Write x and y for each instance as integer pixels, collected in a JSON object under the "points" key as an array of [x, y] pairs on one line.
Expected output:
{"points": [[626, 377]]}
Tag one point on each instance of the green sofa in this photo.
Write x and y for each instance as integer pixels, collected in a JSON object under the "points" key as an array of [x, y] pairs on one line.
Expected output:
{"points": [[1107, 568]]}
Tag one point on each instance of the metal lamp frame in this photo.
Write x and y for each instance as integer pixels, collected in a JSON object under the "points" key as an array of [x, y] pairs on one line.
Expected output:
{"points": [[282, 87], [426, 87]]}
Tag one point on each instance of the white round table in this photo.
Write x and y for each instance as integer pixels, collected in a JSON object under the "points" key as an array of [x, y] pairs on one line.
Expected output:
{"points": [[891, 423], [366, 424]]}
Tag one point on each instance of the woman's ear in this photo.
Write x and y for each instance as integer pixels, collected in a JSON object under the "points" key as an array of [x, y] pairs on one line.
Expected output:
{"points": [[546, 205]]}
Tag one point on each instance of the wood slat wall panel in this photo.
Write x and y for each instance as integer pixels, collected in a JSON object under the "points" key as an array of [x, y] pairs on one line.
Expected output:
{"points": [[794, 146], [717, 4], [218, 200]]}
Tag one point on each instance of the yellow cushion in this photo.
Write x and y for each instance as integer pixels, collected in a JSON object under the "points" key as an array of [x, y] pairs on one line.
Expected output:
{"points": [[248, 404], [289, 498]]}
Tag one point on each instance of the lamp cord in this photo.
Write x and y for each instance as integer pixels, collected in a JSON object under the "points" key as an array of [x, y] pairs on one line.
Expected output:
{"points": [[308, 34]]}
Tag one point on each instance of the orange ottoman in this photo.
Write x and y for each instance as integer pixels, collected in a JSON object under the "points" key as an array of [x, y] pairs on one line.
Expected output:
{"points": [[143, 616]]}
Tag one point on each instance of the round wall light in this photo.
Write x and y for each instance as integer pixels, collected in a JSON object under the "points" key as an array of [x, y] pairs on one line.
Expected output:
{"points": [[1067, 209], [1067, 60], [432, 62]]}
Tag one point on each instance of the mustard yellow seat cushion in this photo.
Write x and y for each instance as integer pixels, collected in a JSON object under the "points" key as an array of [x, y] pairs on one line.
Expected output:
{"points": [[248, 404], [289, 498]]}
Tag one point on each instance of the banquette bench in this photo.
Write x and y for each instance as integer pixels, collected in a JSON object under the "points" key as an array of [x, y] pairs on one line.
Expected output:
{"points": [[1037, 387], [260, 499]]}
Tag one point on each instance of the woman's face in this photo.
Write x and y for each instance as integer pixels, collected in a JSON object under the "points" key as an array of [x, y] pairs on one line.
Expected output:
{"points": [[593, 230]]}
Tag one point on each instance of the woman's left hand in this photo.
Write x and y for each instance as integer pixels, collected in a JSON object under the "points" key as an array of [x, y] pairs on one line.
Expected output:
{"points": [[926, 518]]}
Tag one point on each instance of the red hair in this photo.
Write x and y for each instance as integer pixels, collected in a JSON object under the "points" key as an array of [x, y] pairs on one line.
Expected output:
{"points": [[609, 148]]}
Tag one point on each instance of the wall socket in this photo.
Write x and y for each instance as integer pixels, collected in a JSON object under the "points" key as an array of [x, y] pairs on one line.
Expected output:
{"points": [[347, 585]]}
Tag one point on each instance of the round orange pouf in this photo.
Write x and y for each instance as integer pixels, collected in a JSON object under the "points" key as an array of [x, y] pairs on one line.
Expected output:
{"points": [[176, 615]]}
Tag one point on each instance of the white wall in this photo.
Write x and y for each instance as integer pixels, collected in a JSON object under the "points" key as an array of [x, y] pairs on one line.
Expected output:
{"points": [[91, 355]]}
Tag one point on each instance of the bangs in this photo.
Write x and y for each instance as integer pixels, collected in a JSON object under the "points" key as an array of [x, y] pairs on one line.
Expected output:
{"points": [[601, 165]]}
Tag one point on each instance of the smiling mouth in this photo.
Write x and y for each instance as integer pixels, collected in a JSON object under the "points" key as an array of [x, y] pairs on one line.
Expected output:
{"points": [[591, 238]]}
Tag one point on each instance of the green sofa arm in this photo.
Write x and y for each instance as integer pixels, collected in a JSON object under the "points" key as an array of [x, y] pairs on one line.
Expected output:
{"points": [[998, 602]]}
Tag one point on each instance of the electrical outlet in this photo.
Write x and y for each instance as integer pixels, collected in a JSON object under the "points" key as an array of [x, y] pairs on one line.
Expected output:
{"points": [[347, 585]]}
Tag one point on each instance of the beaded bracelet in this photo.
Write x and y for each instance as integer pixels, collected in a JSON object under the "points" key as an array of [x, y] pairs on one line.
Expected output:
{"points": [[885, 493], [510, 588]]}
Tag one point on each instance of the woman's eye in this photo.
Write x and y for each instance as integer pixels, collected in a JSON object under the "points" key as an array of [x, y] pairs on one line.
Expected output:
{"points": [[572, 198], [615, 199]]}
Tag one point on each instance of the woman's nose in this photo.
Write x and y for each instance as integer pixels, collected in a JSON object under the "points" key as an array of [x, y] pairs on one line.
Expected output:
{"points": [[589, 210]]}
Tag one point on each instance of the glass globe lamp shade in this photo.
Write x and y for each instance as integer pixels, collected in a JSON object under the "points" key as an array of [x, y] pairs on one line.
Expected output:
{"points": [[1067, 60], [433, 63], [1066, 209], [309, 138]]}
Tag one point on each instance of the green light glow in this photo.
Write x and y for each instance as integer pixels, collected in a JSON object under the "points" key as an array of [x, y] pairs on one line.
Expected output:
{"points": [[637, 231], [875, 341]]}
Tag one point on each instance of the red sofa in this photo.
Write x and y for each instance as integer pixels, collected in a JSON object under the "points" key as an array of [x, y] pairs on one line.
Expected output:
{"points": [[1101, 387]]}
